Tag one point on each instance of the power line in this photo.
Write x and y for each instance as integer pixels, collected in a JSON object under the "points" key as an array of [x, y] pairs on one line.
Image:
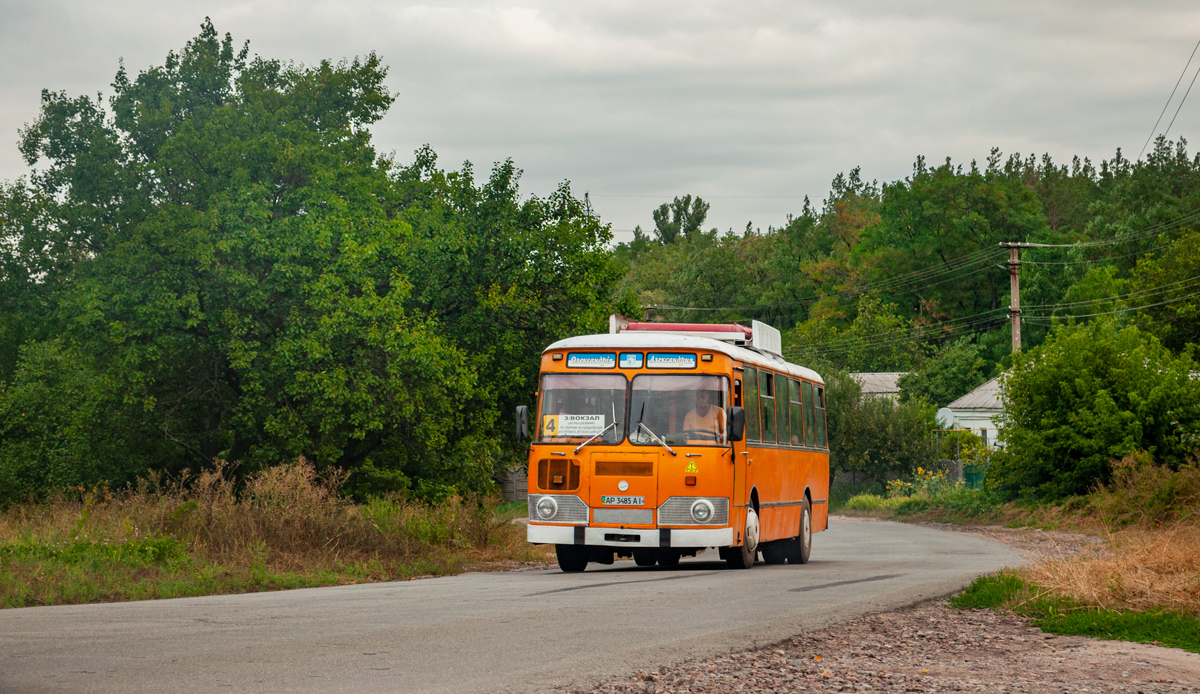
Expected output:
{"points": [[1181, 101], [1177, 82], [1123, 310], [1189, 281]]}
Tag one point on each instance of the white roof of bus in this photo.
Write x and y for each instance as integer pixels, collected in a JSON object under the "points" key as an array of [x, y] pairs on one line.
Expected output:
{"points": [[657, 340]]}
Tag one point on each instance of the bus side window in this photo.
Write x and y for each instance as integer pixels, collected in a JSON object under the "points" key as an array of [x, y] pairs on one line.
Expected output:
{"points": [[766, 396], [781, 406], [750, 402], [810, 433], [820, 415], [796, 412]]}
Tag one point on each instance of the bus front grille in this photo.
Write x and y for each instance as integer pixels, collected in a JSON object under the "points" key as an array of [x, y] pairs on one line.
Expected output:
{"points": [[678, 511], [623, 516]]}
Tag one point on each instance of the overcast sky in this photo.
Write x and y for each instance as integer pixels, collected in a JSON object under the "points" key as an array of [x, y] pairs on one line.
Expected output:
{"points": [[751, 105]]}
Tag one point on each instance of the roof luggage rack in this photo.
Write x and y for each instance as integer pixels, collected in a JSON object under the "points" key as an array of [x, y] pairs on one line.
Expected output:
{"points": [[759, 336]]}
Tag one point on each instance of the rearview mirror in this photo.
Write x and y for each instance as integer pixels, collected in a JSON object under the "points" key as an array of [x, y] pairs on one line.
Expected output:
{"points": [[522, 423], [736, 420]]}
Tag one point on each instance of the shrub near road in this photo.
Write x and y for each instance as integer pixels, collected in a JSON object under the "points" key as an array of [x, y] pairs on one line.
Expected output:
{"points": [[1087, 397], [284, 527]]}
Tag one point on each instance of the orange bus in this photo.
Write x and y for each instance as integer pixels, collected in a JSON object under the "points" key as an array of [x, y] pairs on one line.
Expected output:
{"points": [[659, 440]]}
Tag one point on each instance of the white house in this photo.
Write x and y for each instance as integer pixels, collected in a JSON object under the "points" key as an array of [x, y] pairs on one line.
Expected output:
{"points": [[979, 409]]}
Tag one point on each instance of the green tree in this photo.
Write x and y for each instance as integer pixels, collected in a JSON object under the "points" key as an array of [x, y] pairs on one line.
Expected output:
{"points": [[504, 277], [953, 370], [1088, 396], [875, 437], [235, 283], [679, 219]]}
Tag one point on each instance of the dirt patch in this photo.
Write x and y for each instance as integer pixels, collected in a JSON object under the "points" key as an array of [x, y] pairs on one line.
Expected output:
{"points": [[931, 648], [1036, 544]]}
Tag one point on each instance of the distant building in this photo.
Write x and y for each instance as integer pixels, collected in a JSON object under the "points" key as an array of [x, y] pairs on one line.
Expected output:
{"points": [[979, 410], [880, 384]]}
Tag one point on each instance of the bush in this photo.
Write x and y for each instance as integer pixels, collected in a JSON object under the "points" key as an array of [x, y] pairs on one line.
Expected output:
{"points": [[1086, 397], [875, 437]]}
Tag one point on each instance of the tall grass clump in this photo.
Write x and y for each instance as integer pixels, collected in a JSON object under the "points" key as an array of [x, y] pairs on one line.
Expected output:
{"points": [[213, 532]]}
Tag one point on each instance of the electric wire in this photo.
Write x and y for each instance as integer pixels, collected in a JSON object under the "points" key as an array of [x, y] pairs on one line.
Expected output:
{"points": [[1168, 104], [1181, 102], [1121, 310]]}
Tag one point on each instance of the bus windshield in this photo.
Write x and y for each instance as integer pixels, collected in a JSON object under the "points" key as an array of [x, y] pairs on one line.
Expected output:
{"points": [[576, 407], [680, 410]]}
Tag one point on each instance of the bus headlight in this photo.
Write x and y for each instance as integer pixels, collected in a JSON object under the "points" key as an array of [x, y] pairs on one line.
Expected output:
{"points": [[547, 508], [702, 510]]}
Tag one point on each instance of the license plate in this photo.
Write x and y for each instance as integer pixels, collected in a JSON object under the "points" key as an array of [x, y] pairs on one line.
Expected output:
{"points": [[623, 500]]}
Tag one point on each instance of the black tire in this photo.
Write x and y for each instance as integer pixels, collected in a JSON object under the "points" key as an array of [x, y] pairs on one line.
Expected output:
{"points": [[775, 552], [800, 548], [668, 557], [571, 558], [645, 557]]}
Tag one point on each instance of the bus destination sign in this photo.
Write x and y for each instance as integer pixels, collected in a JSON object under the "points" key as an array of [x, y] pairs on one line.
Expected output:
{"points": [[670, 361], [591, 360]]}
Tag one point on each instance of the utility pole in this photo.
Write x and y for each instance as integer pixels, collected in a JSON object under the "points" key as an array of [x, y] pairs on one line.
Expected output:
{"points": [[1014, 281]]}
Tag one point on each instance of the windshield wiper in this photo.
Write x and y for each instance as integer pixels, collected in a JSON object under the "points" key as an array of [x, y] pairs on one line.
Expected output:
{"points": [[595, 436], [652, 434]]}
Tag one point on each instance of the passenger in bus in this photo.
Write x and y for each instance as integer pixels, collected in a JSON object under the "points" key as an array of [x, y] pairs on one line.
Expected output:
{"points": [[705, 419]]}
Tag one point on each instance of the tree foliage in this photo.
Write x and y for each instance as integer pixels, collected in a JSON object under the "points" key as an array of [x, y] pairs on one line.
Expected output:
{"points": [[217, 264], [872, 436], [1086, 397]]}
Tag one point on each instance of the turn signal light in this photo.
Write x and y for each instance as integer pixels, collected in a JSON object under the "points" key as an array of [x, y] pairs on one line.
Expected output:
{"points": [[690, 480]]}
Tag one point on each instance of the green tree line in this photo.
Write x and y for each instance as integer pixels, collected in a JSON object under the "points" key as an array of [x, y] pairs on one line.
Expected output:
{"points": [[214, 262]]}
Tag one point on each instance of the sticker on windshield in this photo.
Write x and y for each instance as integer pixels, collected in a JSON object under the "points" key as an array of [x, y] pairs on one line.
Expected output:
{"points": [[572, 425], [670, 361], [631, 360], [592, 360]]}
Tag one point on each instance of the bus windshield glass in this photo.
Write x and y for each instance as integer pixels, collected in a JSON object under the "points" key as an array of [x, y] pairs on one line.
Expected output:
{"points": [[576, 407], [680, 410]]}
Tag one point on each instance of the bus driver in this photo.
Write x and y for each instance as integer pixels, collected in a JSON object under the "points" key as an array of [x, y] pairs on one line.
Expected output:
{"points": [[706, 422]]}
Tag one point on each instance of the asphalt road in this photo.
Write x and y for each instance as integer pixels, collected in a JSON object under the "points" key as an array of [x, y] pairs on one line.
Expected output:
{"points": [[482, 632]]}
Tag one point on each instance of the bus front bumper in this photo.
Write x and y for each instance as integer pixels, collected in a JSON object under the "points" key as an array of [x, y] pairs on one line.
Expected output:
{"points": [[626, 537]]}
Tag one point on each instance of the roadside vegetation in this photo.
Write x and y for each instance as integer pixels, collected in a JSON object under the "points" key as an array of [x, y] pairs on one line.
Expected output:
{"points": [[1141, 582], [283, 527]]}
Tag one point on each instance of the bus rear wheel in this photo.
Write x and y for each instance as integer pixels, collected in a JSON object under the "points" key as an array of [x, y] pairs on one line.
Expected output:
{"points": [[571, 558], [800, 548]]}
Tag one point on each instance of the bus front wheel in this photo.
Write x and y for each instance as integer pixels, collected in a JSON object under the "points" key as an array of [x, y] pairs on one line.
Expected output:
{"points": [[743, 557], [571, 558]]}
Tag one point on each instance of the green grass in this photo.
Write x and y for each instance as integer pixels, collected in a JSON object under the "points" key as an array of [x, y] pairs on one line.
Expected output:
{"points": [[1007, 590], [957, 504], [872, 502], [841, 493]]}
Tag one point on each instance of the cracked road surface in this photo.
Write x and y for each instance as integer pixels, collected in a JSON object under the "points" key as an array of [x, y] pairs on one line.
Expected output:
{"points": [[483, 632]]}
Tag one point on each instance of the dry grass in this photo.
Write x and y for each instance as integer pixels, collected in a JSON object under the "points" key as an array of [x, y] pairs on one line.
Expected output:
{"points": [[1150, 518], [1136, 569], [284, 526]]}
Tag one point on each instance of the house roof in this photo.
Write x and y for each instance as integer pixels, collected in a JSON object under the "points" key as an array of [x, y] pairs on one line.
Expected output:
{"points": [[985, 397], [879, 382]]}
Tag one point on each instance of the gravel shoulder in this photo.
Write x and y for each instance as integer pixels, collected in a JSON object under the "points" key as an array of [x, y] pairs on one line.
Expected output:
{"points": [[931, 648]]}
